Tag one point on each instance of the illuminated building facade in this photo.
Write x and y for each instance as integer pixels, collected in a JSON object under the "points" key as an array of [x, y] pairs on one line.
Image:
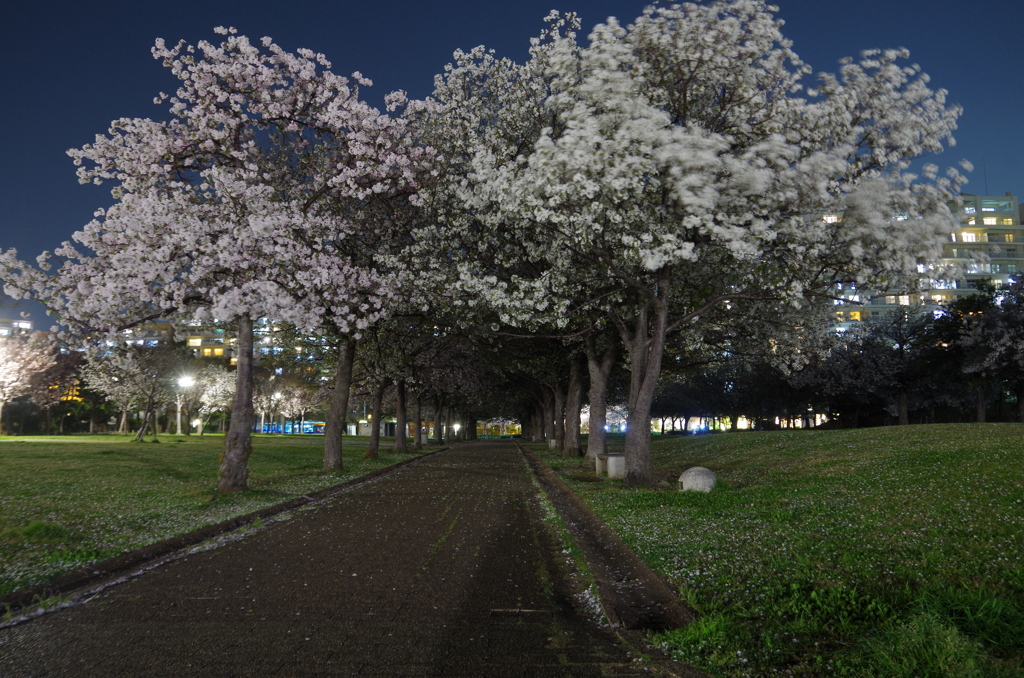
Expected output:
{"points": [[989, 246]]}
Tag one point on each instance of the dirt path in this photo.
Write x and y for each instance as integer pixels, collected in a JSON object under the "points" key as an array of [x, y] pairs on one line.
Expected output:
{"points": [[440, 569]]}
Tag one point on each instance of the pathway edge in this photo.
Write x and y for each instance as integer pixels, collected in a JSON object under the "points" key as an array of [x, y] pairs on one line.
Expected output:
{"points": [[663, 610], [119, 565]]}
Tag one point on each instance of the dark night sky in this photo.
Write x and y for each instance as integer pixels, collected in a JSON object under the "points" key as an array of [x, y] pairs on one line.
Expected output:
{"points": [[68, 68]]}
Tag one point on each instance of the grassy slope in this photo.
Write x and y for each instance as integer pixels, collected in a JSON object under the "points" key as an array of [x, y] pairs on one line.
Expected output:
{"points": [[68, 501], [826, 553]]}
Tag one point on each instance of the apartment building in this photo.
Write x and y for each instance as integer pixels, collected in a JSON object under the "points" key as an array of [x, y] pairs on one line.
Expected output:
{"points": [[10, 326], [989, 246]]}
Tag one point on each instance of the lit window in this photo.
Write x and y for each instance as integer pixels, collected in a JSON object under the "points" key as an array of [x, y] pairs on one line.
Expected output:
{"points": [[830, 218], [195, 341], [969, 210], [989, 221], [904, 300], [218, 351], [207, 352], [972, 221], [969, 237], [1006, 222], [855, 316]]}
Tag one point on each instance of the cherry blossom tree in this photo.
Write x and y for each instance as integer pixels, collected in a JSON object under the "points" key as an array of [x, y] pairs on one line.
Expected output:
{"points": [[136, 376], [216, 386], [232, 209], [21, 357], [678, 168], [57, 384]]}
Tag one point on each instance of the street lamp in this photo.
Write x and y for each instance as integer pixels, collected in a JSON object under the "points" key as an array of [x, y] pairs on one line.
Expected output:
{"points": [[179, 398]]}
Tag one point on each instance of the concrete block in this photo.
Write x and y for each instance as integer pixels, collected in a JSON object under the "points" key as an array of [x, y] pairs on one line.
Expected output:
{"points": [[616, 466]]}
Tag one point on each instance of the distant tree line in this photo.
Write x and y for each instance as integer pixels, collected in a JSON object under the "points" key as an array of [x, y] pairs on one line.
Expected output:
{"points": [[964, 362]]}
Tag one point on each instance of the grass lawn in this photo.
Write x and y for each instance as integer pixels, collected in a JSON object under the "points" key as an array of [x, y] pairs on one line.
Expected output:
{"points": [[69, 501], [892, 551]]}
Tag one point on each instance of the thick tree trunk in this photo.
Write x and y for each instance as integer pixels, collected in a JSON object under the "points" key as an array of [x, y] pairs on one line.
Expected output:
{"points": [[449, 427], [573, 405], [334, 427], [418, 417], [234, 463], [401, 426], [599, 369], [373, 449], [646, 350]]}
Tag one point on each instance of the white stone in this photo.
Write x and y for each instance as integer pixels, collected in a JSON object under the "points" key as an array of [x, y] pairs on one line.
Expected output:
{"points": [[697, 478]]}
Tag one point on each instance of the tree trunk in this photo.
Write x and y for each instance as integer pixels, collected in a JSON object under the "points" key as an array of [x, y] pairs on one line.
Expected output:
{"points": [[438, 421], [599, 368], [559, 418], [234, 463], [334, 427], [1020, 401], [418, 416], [902, 408], [401, 427], [377, 398], [536, 423], [646, 351], [573, 405], [148, 414], [449, 429], [547, 406]]}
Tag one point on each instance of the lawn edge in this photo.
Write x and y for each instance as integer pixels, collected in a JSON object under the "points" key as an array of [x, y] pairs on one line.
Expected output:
{"points": [[118, 565], [634, 597]]}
